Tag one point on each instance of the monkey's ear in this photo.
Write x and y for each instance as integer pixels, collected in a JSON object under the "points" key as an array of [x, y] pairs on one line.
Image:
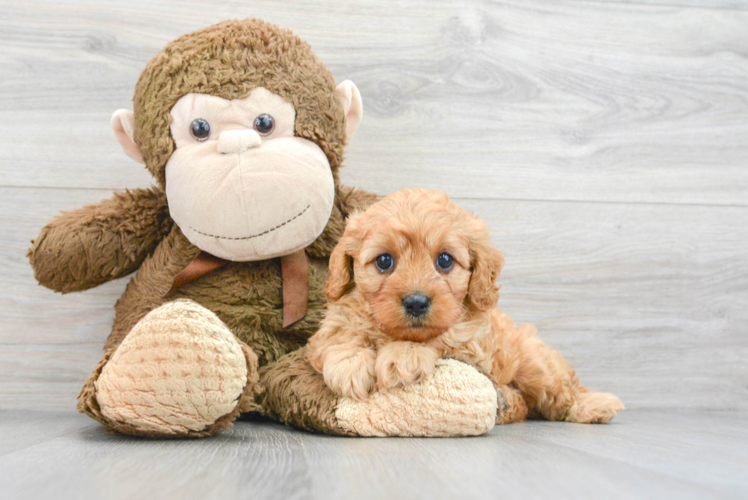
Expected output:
{"points": [[350, 97], [123, 124]]}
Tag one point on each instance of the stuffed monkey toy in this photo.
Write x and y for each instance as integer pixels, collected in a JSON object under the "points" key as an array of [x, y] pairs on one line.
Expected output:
{"points": [[243, 129]]}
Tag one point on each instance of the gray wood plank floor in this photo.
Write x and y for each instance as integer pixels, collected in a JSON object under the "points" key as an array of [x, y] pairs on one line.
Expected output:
{"points": [[699, 4], [533, 100], [645, 454], [647, 301], [605, 143]]}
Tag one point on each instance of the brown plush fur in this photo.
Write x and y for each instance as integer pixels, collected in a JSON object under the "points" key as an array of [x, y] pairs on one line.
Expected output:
{"points": [[296, 394], [123, 230], [368, 341], [133, 231], [229, 60]]}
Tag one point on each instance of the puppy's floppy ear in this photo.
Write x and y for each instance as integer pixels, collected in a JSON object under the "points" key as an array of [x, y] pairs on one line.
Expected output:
{"points": [[487, 262], [340, 274]]}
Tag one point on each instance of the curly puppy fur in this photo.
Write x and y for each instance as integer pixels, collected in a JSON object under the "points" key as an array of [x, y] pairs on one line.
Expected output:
{"points": [[368, 340]]}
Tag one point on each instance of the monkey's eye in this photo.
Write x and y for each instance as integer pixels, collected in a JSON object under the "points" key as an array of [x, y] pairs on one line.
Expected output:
{"points": [[200, 129], [264, 124], [445, 261], [384, 262]]}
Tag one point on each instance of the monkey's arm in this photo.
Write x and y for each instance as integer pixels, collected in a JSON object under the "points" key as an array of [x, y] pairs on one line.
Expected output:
{"points": [[354, 199], [296, 394], [347, 200], [84, 248]]}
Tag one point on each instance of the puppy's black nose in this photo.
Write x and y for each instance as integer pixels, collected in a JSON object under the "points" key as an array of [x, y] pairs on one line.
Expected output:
{"points": [[416, 305]]}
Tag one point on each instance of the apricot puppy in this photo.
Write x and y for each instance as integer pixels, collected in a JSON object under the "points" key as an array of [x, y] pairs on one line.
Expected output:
{"points": [[413, 280]]}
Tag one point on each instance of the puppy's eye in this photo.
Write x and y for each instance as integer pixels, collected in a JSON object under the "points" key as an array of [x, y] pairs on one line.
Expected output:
{"points": [[445, 261], [384, 262], [200, 129], [264, 124]]}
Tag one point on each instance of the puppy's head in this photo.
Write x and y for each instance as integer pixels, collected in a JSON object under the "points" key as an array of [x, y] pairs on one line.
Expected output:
{"points": [[419, 260]]}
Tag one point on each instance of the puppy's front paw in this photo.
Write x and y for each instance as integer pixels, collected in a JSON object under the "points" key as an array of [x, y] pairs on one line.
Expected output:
{"points": [[351, 376], [403, 363]]}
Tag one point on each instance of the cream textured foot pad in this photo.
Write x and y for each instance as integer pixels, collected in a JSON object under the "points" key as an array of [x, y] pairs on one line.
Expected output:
{"points": [[180, 369], [456, 400]]}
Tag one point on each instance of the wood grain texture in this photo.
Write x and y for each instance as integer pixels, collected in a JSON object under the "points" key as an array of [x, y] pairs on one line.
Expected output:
{"points": [[512, 100], [604, 142], [638, 455], [696, 4], [647, 301]]}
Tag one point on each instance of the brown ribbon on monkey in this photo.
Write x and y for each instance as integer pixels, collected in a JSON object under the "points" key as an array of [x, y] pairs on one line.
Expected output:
{"points": [[294, 276]]}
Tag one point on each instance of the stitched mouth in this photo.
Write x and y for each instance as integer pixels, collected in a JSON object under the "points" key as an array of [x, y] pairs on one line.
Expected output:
{"points": [[254, 235]]}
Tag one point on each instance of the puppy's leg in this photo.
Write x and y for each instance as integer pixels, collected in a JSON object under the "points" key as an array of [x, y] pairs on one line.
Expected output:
{"points": [[403, 363], [349, 370], [342, 353], [550, 386], [512, 406]]}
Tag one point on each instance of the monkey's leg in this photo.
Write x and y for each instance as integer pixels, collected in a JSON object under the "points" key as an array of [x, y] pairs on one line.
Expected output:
{"points": [[551, 387], [456, 400], [179, 372]]}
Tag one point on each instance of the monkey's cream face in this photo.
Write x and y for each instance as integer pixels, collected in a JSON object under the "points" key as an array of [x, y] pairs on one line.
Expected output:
{"points": [[240, 185]]}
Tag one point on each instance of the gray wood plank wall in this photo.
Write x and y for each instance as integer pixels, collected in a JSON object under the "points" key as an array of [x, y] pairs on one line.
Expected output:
{"points": [[605, 142]]}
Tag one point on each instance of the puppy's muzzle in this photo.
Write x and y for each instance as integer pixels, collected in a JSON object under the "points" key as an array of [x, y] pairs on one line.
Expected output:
{"points": [[416, 305]]}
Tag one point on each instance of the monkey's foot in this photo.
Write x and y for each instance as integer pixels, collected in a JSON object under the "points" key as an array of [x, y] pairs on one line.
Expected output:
{"points": [[456, 400], [179, 372]]}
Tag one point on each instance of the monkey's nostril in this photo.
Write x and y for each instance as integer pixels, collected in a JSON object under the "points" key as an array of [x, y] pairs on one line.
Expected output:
{"points": [[416, 304]]}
